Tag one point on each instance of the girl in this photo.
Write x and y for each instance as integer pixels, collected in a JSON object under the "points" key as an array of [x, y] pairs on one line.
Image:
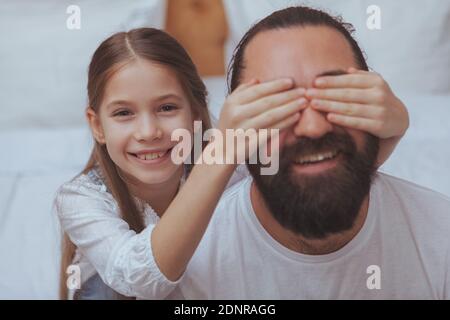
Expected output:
{"points": [[132, 218]]}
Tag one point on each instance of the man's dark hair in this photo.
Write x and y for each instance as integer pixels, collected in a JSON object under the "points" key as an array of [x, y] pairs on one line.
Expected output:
{"points": [[287, 18]]}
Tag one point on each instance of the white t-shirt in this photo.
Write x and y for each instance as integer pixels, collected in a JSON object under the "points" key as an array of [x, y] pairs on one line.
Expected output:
{"points": [[403, 247]]}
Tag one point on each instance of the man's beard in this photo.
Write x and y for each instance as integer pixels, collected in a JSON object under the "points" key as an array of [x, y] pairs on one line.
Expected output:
{"points": [[317, 205]]}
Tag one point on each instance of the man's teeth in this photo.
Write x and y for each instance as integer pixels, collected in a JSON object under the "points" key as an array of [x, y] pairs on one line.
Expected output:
{"points": [[151, 156], [316, 157]]}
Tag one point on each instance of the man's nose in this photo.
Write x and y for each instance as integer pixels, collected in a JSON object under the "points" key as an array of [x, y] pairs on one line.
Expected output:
{"points": [[312, 124], [147, 129]]}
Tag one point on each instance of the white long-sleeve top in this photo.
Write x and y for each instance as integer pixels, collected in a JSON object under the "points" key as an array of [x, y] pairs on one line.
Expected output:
{"points": [[90, 216], [124, 260]]}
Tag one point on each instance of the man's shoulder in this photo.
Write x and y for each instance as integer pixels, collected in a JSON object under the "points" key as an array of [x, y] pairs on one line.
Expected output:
{"points": [[232, 203], [417, 202], [233, 193], [414, 191]]}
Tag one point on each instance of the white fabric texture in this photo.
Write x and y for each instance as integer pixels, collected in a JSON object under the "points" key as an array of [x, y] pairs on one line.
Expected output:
{"points": [[412, 48], [405, 234], [105, 244], [89, 214]]}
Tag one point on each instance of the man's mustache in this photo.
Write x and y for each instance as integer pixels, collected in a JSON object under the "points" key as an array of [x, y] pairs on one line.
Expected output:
{"points": [[343, 143]]}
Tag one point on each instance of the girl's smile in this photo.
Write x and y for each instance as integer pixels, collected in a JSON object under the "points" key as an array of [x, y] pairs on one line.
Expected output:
{"points": [[151, 157]]}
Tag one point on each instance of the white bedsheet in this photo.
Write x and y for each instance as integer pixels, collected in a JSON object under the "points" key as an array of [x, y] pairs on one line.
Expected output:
{"points": [[34, 163]]}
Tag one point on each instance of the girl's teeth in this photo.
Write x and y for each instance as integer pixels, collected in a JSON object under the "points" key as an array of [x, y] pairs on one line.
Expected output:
{"points": [[151, 156]]}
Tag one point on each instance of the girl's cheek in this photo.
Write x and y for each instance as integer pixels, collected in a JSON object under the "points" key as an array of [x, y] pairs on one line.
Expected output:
{"points": [[180, 123], [122, 127], [117, 134]]}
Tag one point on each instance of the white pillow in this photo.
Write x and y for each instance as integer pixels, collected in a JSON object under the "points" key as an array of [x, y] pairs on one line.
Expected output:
{"points": [[44, 65], [412, 48]]}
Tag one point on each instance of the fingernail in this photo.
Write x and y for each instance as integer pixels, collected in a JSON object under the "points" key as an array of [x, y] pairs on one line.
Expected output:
{"points": [[301, 101], [320, 82]]}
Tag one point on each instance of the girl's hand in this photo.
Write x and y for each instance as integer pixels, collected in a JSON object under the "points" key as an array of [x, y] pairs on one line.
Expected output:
{"points": [[269, 105], [362, 100]]}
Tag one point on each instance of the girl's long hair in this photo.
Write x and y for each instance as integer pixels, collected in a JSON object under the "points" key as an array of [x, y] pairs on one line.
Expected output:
{"points": [[121, 48]]}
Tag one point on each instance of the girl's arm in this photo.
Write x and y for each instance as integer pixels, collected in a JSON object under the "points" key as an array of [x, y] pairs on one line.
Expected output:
{"points": [[252, 105], [362, 100], [387, 146]]}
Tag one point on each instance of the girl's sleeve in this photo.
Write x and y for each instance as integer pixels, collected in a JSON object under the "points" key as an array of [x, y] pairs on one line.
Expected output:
{"points": [[123, 259]]}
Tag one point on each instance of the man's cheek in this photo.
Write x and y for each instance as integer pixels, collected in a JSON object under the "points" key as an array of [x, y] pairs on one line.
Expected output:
{"points": [[359, 138], [275, 144], [285, 139]]}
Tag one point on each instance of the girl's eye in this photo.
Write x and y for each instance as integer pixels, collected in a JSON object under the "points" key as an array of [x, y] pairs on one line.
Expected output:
{"points": [[168, 108], [122, 113]]}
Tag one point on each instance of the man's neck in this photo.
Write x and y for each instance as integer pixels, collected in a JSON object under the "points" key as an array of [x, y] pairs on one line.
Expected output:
{"points": [[297, 242]]}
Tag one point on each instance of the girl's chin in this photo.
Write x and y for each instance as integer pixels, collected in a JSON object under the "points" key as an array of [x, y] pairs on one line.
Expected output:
{"points": [[157, 177]]}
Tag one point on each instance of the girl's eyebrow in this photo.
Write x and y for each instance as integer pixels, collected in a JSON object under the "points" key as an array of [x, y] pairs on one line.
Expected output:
{"points": [[160, 98], [118, 102], [169, 95]]}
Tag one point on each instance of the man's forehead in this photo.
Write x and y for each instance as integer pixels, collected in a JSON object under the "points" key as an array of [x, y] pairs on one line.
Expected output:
{"points": [[298, 53]]}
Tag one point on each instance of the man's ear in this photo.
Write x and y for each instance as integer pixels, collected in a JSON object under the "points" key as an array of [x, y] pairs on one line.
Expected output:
{"points": [[96, 127]]}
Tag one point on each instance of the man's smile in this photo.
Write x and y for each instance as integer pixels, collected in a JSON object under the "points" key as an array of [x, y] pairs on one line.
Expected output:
{"points": [[316, 162]]}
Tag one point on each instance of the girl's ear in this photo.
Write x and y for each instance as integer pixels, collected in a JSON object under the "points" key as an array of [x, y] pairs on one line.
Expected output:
{"points": [[96, 127]]}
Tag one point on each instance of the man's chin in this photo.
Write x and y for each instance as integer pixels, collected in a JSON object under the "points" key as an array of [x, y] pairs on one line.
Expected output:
{"points": [[315, 205]]}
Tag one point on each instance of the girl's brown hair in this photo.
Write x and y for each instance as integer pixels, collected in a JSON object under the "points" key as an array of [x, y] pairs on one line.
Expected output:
{"points": [[121, 48]]}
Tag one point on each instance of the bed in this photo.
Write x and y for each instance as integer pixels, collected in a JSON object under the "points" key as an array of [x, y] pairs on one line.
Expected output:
{"points": [[45, 140]]}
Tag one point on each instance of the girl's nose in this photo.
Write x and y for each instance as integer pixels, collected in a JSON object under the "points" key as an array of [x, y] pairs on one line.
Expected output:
{"points": [[312, 124], [148, 129]]}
